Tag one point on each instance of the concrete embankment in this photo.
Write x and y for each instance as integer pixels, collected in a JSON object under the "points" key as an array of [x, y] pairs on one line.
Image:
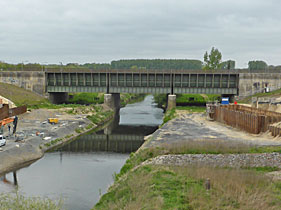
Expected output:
{"points": [[26, 147], [194, 129], [20, 155]]}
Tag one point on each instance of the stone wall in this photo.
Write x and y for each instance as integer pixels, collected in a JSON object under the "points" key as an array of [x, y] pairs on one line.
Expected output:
{"points": [[29, 80]]}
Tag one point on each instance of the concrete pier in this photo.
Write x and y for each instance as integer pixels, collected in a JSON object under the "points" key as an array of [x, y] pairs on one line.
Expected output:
{"points": [[112, 100], [171, 102]]}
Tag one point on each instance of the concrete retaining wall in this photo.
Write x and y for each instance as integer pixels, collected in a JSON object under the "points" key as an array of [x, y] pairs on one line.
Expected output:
{"points": [[252, 83], [29, 80]]}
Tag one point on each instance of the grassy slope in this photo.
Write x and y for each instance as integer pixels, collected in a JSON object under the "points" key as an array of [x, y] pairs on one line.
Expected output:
{"points": [[170, 187], [21, 96], [248, 99]]}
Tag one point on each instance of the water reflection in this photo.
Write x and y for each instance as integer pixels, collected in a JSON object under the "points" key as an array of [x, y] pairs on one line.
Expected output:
{"points": [[114, 138], [82, 170]]}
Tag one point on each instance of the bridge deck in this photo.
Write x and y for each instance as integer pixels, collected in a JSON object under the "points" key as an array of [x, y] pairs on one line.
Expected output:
{"points": [[143, 81]]}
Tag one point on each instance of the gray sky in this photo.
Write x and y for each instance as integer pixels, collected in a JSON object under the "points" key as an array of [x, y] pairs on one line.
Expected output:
{"points": [[53, 31]]}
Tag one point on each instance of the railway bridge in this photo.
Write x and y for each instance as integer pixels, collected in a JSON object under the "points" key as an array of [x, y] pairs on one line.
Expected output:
{"points": [[113, 82]]}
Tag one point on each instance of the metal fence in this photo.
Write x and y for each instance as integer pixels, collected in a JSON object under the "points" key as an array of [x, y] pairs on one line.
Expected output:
{"points": [[249, 119]]}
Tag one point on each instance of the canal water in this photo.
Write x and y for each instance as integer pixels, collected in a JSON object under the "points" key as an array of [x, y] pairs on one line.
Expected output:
{"points": [[81, 171]]}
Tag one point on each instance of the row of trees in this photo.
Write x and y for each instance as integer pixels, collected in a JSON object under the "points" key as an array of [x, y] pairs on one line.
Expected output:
{"points": [[212, 61], [20, 66], [157, 64]]}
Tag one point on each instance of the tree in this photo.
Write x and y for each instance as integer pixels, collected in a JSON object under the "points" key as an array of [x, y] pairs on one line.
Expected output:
{"points": [[227, 65], [212, 60], [257, 65]]}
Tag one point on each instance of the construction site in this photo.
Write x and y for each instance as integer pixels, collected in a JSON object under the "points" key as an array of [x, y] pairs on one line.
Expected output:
{"points": [[28, 134]]}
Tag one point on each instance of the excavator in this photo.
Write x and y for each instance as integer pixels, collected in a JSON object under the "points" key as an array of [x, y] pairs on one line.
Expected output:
{"points": [[6, 121]]}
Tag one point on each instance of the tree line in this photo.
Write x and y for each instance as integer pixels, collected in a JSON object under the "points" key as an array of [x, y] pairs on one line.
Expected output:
{"points": [[212, 61]]}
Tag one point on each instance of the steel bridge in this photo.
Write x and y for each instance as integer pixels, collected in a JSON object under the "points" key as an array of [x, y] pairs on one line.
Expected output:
{"points": [[142, 81]]}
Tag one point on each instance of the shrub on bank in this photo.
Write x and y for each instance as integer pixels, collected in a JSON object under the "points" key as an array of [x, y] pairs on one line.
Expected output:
{"points": [[174, 187], [19, 202]]}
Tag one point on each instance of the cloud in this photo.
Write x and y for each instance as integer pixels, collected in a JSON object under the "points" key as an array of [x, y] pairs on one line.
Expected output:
{"points": [[101, 31]]}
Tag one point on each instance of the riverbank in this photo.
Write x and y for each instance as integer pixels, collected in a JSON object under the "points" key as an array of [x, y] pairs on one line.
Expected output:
{"points": [[173, 168], [35, 135]]}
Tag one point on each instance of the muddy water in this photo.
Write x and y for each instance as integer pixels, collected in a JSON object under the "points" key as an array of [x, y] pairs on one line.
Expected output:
{"points": [[81, 171]]}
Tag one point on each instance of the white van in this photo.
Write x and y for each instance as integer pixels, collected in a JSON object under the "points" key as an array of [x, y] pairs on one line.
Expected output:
{"points": [[2, 141]]}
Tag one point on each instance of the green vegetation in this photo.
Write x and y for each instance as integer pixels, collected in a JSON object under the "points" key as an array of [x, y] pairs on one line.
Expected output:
{"points": [[264, 169], [21, 96], [170, 114], [257, 65], [100, 116], [226, 65], [172, 187], [20, 67], [19, 202], [198, 99], [53, 142], [248, 99], [158, 64], [139, 186], [79, 130], [86, 98], [96, 66], [187, 99], [129, 98], [192, 108], [194, 147], [212, 60]]}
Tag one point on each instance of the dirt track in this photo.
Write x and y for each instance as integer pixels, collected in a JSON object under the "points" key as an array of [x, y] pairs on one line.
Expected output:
{"points": [[192, 127]]}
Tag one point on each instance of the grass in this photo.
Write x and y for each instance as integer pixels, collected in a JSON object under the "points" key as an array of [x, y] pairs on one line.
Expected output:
{"points": [[100, 116], [86, 98], [169, 114], [128, 98], [19, 202], [192, 108], [172, 187], [193, 147], [53, 142], [196, 98], [187, 99], [248, 99], [21, 96], [162, 187]]}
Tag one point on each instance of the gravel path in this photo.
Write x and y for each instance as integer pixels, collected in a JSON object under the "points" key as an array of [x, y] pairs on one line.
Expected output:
{"points": [[192, 127]]}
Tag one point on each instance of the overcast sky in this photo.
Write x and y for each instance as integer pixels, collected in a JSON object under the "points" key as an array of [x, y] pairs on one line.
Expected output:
{"points": [[53, 31]]}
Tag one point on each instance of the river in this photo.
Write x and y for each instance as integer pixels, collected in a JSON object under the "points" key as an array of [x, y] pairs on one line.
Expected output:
{"points": [[81, 171]]}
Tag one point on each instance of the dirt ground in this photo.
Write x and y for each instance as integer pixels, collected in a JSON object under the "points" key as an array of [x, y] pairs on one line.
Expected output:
{"points": [[188, 126]]}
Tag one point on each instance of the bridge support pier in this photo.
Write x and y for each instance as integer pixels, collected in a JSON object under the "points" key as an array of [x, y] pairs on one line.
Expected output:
{"points": [[171, 102], [58, 98], [112, 100]]}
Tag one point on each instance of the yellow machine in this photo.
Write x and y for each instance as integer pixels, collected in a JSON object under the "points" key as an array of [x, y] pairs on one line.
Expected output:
{"points": [[53, 120]]}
